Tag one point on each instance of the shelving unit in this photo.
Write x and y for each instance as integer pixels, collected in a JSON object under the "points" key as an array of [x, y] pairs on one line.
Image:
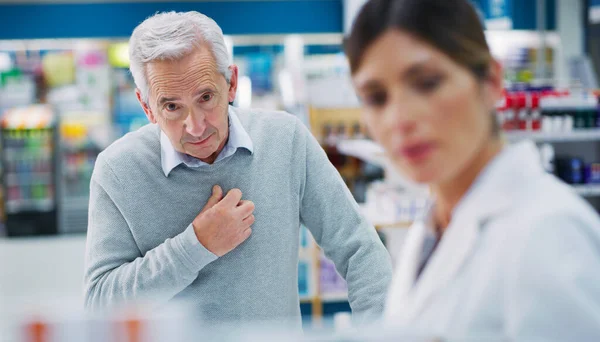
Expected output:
{"points": [[396, 225], [306, 300], [573, 136], [310, 286], [41, 205], [588, 190], [320, 117], [79, 151], [29, 154], [334, 297]]}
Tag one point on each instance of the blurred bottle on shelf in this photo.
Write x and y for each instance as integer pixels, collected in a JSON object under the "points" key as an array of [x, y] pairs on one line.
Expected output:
{"points": [[16, 89], [78, 153], [550, 111], [571, 170], [78, 158], [592, 173], [547, 155]]}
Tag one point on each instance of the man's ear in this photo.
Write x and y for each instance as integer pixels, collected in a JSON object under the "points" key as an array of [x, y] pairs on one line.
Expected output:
{"points": [[145, 107], [233, 83]]}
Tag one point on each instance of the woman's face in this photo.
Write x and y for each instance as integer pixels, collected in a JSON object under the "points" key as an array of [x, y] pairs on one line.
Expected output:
{"points": [[431, 115]]}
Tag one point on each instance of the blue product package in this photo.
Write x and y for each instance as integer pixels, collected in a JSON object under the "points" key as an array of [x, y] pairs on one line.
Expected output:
{"points": [[303, 237], [570, 170], [303, 278], [592, 173], [576, 171]]}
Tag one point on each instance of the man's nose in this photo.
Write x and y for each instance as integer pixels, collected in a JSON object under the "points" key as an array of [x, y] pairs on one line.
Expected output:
{"points": [[195, 124]]}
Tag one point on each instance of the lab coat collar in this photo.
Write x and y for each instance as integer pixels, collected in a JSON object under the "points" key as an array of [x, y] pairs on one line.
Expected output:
{"points": [[492, 193], [494, 190]]}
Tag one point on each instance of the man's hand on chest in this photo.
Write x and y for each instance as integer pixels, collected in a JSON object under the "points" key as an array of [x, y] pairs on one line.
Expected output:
{"points": [[224, 222]]}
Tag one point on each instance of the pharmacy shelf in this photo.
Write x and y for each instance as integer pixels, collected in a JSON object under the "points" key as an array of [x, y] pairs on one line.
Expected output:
{"points": [[306, 299], [575, 135], [16, 206], [334, 297], [29, 178], [75, 202], [589, 190], [325, 298], [394, 225]]}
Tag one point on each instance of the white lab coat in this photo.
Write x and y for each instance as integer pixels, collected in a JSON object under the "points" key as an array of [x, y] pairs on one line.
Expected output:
{"points": [[519, 260]]}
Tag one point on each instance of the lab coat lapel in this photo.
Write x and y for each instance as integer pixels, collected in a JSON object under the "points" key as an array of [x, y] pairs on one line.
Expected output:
{"points": [[406, 269], [453, 250], [492, 194]]}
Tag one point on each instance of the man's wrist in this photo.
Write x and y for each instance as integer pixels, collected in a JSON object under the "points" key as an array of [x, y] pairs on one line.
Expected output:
{"points": [[195, 252]]}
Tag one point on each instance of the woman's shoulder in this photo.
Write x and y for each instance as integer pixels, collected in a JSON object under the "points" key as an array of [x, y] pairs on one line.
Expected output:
{"points": [[551, 206], [549, 227], [551, 195]]}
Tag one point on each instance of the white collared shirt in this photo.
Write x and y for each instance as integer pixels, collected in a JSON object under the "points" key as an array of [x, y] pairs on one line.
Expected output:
{"points": [[238, 138]]}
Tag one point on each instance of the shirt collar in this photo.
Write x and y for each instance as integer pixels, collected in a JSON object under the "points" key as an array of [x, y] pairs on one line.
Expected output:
{"points": [[238, 138]]}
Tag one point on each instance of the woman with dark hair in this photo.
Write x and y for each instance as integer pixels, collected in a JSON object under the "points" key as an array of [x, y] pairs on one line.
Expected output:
{"points": [[504, 249]]}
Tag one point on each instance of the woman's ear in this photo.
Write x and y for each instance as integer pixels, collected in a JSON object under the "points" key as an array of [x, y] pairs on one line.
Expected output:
{"points": [[495, 83]]}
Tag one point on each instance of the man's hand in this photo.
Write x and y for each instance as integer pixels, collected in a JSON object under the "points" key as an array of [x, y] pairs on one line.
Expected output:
{"points": [[224, 223]]}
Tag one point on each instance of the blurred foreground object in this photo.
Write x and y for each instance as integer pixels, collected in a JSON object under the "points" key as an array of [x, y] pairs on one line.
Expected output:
{"points": [[175, 322]]}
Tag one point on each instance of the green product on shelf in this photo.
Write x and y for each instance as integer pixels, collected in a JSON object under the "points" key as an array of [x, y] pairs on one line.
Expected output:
{"points": [[579, 120], [35, 192], [43, 192], [13, 75], [31, 192], [31, 143], [590, 118]]}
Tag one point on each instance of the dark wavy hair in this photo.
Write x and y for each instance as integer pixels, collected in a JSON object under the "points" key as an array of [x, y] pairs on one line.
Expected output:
{"points": [[452, 26]]}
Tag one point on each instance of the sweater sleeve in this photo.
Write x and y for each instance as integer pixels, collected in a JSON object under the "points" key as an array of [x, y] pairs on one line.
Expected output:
{"points": [[116, 272], [330, 212]]}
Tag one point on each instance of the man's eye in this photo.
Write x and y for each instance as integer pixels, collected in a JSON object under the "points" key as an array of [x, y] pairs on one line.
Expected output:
{"points": [[171, 107], [207, 97]]}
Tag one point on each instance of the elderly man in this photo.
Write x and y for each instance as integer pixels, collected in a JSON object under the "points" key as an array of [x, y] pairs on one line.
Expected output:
{"points": [[205, 203]]}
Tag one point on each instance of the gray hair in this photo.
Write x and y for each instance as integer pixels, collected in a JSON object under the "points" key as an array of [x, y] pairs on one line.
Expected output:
{"points": [[171, 36]]}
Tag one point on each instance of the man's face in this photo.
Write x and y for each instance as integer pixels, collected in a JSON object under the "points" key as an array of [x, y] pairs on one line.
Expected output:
{"points": [[189, 100]]}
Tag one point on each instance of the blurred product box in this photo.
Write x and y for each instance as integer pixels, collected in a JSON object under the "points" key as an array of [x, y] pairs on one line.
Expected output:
{"points": [[331, 282]]}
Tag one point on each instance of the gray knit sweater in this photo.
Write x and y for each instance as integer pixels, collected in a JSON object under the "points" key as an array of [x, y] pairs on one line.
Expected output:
{"points": [[141, 245]]}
